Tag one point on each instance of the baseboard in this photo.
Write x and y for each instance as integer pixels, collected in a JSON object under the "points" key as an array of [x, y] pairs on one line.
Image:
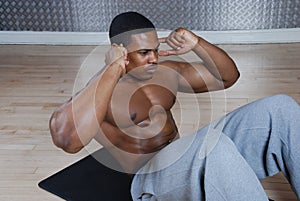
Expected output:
{"points": [[101, 38], [53, 38], [253, 36]]}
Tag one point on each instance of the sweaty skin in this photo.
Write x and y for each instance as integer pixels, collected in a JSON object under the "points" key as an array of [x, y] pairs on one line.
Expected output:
{"points": [[127, 107]]}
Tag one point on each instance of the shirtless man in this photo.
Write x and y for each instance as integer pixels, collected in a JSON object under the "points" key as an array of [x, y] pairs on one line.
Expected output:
{"points": [[126, 108], [152, 90]]}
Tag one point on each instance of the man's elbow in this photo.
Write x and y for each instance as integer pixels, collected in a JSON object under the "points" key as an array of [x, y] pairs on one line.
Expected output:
{"points": [[233, 80], [63, 135]]}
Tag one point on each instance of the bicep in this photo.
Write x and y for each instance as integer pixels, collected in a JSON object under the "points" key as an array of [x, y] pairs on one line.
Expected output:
{"points": [[196, 78]]}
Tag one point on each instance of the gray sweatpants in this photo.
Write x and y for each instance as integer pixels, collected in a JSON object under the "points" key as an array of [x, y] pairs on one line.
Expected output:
{"points": [[226, 159]]}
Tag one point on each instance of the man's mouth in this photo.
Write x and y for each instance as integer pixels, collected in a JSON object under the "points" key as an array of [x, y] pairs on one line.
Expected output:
{"points": [[151, 68]]}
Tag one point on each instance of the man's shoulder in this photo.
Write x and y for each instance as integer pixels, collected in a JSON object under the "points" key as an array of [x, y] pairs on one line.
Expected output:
{"points": [[173, 64], [169, 63]]}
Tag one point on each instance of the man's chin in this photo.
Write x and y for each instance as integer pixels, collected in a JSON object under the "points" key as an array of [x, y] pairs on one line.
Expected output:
{"points": [[141, 77]]}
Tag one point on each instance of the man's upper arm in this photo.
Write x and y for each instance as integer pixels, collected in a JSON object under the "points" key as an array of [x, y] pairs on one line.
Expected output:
{"points": [[194, 77]]}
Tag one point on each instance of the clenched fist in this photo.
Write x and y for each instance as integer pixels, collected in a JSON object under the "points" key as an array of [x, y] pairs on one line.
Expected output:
{"points": [[117, 55], [181, 41]]}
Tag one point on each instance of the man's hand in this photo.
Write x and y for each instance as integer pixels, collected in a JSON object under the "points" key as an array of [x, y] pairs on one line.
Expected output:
{"points": [[117, 55], [181, 41]]}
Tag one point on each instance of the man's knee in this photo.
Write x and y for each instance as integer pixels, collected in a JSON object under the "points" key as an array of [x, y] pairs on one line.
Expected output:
{"points": [[283, 98], [281, 101]]}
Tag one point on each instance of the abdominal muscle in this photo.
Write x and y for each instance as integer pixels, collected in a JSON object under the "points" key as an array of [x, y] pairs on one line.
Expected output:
{"points": [[134, 145]]}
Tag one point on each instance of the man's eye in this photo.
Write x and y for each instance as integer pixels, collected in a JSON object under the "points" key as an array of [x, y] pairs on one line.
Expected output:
{"points": [[144, 52]]}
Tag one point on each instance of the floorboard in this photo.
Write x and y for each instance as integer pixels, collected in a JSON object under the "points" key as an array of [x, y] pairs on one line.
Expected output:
{"points": [[35, 79]]}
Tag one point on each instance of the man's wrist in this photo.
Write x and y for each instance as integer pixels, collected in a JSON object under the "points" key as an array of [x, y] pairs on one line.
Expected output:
{"points": [[115, 70], [199, 39]]}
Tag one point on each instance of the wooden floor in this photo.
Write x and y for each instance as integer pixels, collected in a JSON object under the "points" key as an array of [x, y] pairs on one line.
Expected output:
{"points": [[34, 80]]}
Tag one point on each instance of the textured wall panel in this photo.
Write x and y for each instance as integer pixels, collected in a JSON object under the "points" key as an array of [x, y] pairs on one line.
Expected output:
{"points": [[95, 15], [36, 15]]}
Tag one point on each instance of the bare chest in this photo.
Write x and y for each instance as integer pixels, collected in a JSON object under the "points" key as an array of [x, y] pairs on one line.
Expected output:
{"points": [[133, 104]]}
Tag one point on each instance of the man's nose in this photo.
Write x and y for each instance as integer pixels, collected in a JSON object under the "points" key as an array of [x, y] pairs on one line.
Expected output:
{"points": [[153, 57]]}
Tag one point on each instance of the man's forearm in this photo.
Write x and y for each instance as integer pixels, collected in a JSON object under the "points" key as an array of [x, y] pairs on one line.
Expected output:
{"points": [[76, 122], [217, 62]]}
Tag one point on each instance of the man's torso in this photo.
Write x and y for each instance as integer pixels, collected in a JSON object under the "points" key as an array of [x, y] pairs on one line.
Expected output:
{"points": [[139, 120]]}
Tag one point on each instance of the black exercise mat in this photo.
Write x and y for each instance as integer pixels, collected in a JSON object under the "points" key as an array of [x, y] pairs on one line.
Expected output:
{"points": [[89, 180]]}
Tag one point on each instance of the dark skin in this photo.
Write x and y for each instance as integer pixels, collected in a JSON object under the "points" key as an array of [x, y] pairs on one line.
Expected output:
{"points": [[127, 107]]}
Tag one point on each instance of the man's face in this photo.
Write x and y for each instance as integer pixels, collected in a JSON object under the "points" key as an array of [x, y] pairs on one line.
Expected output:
{"points": [[143, 55]]}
